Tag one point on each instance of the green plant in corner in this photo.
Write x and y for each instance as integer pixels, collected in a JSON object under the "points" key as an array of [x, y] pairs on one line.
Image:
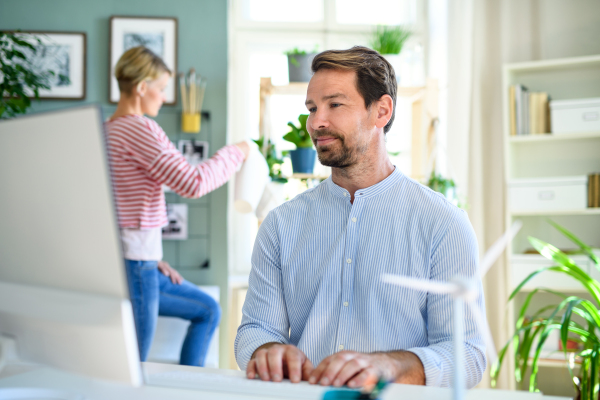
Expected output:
{"points": [[576, 318], [389, 39], [19, 80], [299, 134], [273, 161]]}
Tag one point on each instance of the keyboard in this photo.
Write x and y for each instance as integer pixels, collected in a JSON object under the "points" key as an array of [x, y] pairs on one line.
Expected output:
{"points": [[236, 384]]}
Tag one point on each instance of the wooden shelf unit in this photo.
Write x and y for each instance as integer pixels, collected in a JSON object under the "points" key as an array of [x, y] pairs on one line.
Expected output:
{"points": [[424, 101]]}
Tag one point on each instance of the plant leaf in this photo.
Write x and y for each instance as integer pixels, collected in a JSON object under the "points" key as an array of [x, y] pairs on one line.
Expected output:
{"points": [[587, 249]]}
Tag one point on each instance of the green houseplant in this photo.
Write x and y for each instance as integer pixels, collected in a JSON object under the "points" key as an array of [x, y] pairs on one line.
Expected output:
{"points": [[273, 161], [299, 62], [19, 81], [303, 158], [442, 185], [389, 39], [576, 318]]}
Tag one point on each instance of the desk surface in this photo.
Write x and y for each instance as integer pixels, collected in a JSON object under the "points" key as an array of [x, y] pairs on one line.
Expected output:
{"points": [[49, 378]]}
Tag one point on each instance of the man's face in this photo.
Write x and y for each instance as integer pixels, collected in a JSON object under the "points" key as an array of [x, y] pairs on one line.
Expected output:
{"points": [[339, 123]]}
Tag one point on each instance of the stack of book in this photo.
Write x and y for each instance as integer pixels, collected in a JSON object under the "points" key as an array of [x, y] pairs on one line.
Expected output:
{"points": [[529, 111], [594, 190]]}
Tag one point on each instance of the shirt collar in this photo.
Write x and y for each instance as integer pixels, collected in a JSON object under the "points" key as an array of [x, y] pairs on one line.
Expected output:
{"points": [[370, 191]]}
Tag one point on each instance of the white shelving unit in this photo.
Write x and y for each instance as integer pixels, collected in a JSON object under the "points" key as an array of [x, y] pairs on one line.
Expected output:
{"points": [[548, 155]]}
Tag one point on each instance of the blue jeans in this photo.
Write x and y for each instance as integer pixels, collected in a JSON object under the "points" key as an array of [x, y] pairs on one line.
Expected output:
{"points": [[153, 294]]}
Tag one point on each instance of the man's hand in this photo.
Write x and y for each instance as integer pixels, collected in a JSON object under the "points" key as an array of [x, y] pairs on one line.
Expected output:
{"points": [[169, 271], [359, 369], [273, 362]]}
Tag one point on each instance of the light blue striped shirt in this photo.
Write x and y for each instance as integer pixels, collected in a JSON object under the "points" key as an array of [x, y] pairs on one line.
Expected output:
{"points": [[316, 276]]}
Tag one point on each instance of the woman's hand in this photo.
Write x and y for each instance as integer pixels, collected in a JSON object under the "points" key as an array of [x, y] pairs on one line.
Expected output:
{"points": [[245, 148], [169, 271]]}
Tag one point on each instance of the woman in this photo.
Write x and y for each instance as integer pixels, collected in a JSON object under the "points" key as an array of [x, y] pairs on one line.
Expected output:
{"points": [[142, 158]]}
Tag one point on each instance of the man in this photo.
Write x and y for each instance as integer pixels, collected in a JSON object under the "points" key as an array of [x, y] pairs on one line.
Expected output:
{"points": [[315, 295]]}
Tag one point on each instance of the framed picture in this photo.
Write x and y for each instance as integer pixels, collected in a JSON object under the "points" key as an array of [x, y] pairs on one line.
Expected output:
{"points": [[65, 54], [194, 151], [177, 228], [157, 34]]}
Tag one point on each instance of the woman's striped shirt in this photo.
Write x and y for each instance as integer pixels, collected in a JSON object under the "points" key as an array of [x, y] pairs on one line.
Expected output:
{"points": [[142, 158]]}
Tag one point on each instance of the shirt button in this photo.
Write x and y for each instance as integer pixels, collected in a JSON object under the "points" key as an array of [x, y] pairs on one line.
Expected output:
{"points": [[341, 347], [345, 194], [353, 219], [349, 261], [345, 304]]}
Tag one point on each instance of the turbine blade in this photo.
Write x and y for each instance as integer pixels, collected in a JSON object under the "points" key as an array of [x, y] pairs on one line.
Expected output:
{"points": [[490, 257], [484, 328], [421, 284]]}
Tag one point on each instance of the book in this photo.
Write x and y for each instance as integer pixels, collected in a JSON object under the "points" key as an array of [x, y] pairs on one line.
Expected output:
{"points": [[590, 193], [519, 95], [533, 113], [597, 190], [525, 113], [512, 108]]}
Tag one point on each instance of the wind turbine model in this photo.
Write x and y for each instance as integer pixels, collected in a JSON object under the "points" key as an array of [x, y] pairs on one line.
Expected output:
{"points": [[464, 291]]}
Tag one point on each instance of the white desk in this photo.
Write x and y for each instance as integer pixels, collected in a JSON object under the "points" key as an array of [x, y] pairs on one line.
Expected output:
{"points": [[48, 378]]}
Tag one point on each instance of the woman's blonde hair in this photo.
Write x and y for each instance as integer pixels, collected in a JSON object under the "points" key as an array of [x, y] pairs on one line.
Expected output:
{"points": [[136, 65]]}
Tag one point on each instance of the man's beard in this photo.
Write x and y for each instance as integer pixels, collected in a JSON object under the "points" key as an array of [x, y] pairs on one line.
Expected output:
{"points": [[331, 155]]}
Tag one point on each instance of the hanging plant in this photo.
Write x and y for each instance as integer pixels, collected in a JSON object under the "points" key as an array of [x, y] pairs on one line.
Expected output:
{"points": [[20, 81]]}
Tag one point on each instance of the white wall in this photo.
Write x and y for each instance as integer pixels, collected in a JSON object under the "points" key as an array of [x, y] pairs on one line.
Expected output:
{"points": [[547, 29]]}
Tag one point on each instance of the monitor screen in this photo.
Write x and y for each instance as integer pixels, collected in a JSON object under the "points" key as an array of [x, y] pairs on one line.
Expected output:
{"points": [[63, 295]]}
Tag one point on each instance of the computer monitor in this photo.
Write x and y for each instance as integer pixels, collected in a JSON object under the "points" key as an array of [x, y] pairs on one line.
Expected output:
{"points": [[63, 290]]}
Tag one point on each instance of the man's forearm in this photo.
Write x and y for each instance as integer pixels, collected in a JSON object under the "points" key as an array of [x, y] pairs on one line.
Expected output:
{"points": [[405, 367]]}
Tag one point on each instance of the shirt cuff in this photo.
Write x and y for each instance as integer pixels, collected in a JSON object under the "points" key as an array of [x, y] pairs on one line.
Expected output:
{"points": [[236, 154], [432, 364]]}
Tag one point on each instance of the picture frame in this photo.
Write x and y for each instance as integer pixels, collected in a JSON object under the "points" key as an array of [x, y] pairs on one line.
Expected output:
{"points": [[177, 226], [65, 53], [159, 34], [194, 151]]}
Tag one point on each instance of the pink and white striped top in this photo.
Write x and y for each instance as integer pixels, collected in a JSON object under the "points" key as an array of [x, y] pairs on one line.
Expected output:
{"points": [[142, 158]]}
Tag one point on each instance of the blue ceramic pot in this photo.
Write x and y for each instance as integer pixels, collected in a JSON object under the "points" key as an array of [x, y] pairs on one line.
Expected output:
{"points": [[303, 160]]}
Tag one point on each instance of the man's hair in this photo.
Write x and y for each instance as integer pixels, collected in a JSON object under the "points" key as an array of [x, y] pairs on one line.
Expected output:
{"points": [[374, 75], [136, 65]]}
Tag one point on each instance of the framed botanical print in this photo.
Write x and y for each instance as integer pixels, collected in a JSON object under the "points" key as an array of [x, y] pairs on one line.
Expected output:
{"points": [[157, 34], [63, 53]]}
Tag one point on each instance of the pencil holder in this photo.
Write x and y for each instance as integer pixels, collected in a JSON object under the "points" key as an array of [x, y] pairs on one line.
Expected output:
{"points": [[190, 122]]}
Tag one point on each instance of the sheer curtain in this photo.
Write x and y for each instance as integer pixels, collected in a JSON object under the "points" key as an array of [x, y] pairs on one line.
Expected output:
{"points": [[475, 145]]}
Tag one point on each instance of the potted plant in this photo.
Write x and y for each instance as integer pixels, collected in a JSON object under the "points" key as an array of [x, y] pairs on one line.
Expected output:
{"points": [[303, 158], [299, 62], [388, 41], [273, 161], [19, 80], [531, 333]]}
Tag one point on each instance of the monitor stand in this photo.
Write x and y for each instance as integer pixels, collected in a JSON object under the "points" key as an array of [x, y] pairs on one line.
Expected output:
{"points": [[10, 364]]}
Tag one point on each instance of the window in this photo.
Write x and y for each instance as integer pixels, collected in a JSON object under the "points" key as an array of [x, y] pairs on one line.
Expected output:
{"points": [[382, 12], [260, 31], [282, 11]]}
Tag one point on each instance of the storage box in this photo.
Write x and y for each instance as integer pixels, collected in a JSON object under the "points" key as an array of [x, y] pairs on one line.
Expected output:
{"points": [[548, 194], [574, 116], [524, 264]]}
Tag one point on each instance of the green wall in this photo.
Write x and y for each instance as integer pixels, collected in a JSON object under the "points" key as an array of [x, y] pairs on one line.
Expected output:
{"points": [[202, 44]]}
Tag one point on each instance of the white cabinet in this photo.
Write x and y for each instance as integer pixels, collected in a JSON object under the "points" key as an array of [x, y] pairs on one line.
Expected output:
{"points": [[541, 171]]}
